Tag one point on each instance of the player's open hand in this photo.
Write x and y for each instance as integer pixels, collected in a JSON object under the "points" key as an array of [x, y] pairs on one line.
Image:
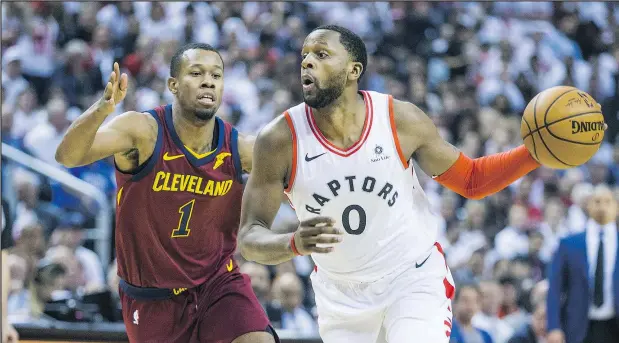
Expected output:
{"points": [[317, 235], [115, 90]]}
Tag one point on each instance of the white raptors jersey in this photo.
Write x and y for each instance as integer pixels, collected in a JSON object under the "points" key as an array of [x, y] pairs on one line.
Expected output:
{"points": [[369, 189]]}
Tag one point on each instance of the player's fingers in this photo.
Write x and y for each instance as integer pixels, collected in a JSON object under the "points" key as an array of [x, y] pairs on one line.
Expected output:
{"points": [[323, 239], [318, 220], [331, 230], [109, 91], [317, 230], [124, 82], [116, 68], [112, 78], [605, 126], [321, 250]]}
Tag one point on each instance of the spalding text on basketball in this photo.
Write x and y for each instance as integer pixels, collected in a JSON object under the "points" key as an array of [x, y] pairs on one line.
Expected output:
{"points": [[586, 126]]}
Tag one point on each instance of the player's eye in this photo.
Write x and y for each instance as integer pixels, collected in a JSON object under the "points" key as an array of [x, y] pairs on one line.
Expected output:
{"points": [[322, 54], [195, 73], [303, 56], [216, 76]]}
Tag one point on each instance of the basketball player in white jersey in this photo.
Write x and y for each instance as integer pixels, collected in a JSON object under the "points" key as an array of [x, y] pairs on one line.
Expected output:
{"points": [[344, 158]]}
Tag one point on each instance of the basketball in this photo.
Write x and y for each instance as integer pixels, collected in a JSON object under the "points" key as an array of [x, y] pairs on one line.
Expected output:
{"points": [[562, 127]]}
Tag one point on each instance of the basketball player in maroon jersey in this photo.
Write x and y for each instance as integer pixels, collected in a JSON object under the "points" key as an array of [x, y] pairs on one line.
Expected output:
{"points": [[178, 173]]}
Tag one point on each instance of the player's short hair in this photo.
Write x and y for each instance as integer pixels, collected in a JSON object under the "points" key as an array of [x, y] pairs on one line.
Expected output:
{"points": [[175, 64], [352, 42]]}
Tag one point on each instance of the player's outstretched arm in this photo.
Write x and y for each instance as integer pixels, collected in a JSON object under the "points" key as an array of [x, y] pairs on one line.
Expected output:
{"points": [[86, 141], [471, 178], [272, 162]]}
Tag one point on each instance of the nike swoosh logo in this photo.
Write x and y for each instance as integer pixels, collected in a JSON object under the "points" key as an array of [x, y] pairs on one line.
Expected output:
{"points": [[170, 158], [417, 265], [307, 158], [229, 266]]}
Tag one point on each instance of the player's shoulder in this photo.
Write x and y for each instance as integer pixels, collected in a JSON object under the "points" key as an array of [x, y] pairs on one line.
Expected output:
{"points": [[399, 109], [296, 110], [375, 94], [277, 134], [138, 124], [138, 120], [410, 119]]}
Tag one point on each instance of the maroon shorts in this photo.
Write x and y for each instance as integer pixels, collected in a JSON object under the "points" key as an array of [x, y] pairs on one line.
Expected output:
{"points": [[214, 312]]}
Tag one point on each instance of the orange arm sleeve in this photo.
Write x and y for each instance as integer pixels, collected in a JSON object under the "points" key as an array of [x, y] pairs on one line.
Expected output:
{"points": [[480, 177]]}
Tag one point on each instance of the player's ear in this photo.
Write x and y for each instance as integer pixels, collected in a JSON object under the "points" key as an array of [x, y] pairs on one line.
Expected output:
{"points": [[172, 85], [356, 69]]}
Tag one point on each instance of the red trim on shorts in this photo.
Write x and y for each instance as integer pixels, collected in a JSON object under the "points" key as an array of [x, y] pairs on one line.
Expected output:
{"points": [[367, 126], [448, 323], [293, 173], [450, 290]]}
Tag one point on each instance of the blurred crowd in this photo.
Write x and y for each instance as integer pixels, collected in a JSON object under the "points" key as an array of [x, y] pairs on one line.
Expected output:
{"points": [[472, 66]]}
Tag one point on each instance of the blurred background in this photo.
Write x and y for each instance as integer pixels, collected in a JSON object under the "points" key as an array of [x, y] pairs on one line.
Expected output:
{"points": [[472, 66]]}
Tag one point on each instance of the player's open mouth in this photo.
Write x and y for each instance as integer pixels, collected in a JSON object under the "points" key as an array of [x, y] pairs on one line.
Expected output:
{"points": [[307, 81], [206, 99]]}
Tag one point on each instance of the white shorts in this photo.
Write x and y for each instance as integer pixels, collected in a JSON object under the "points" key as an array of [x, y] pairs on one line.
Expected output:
{"points": [[413, 306]]}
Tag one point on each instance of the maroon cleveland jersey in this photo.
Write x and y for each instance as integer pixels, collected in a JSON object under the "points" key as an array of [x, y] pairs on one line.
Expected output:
{"points": [[178, 215]]}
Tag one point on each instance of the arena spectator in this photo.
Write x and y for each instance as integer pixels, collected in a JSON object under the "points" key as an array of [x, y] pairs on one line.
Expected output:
{"points": [[30, 205], [513, 240], [27, 113], [48, 278], [260, 281], [288, 296], [592, 312], [29, 243], [535, 330], [466, 305], [487, 318], [511, 311], [13, 81], [43, 139], [70, 233], [473, 272]]}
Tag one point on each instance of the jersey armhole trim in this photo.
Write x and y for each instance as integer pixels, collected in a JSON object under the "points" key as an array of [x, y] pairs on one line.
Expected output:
{"points": [[394, 133], [236, 157], [149, 164], [293, 172]]}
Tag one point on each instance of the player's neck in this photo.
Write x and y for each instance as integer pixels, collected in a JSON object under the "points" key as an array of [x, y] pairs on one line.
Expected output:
{"points": [[196, 136], [342, 120]]}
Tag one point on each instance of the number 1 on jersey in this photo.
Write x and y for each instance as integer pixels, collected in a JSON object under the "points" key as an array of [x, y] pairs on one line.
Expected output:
{"points": [[183, 224]]}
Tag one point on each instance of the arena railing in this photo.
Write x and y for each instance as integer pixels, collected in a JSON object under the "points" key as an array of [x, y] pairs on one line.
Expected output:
{"points": [[103, 225], [104, 332]]}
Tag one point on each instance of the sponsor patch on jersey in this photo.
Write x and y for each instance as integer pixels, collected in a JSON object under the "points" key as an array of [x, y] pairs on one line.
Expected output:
{"points": [[379, 154]]}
